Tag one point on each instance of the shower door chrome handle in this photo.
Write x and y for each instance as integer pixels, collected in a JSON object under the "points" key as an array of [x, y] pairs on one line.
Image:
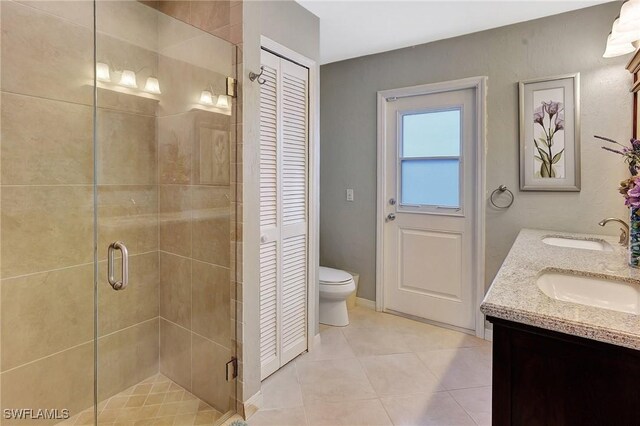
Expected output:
{"points": [[118, 285]]}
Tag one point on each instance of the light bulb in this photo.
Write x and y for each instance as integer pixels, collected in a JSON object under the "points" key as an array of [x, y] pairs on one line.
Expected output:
{"points": [[622, 35], [206, 97], [128, 79], [102, 71], [617, 49], [152, 85], [223, 101]]}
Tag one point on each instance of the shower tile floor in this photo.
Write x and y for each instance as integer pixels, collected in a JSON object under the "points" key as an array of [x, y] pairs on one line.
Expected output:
{"points": [[156, 401]]}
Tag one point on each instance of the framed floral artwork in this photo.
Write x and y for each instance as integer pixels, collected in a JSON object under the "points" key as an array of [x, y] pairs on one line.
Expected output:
{"points": [[550, 134]]}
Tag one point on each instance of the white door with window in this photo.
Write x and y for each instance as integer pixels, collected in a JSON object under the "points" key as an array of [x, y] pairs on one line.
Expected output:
{"points": [[429, 197]]}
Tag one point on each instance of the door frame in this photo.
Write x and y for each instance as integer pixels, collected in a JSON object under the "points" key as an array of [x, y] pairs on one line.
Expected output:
{"points": [[313, 176], [479, 85]]}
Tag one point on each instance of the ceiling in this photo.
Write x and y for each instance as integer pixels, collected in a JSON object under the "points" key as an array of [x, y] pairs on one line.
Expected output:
{"points": [[352, 28]]}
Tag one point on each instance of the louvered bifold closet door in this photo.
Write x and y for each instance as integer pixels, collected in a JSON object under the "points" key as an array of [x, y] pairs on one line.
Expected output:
{"points": [[269, 217], [283, 212], [294, 98]]}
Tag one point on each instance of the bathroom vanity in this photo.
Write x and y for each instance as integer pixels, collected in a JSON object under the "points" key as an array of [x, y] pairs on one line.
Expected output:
{"points": [[566, 332]]}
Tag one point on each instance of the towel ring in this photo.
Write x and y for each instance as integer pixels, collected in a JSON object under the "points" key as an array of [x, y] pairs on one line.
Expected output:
{"points": [[501, 189]]}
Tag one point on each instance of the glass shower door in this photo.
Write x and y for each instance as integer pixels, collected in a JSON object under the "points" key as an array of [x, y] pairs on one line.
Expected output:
{"points": [[46, 211], [163, 150]]}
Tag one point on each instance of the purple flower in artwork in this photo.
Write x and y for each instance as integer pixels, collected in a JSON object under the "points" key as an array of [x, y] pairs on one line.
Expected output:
{"points": [[552, 108], [538, 115], [550, 118], [559, 122]]}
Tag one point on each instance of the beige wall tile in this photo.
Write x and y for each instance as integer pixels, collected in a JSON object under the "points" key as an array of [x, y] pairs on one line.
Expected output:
{"points": [[45, 227], [127, 148], [45, 56], [45, 313], [175, 353], [63, 380], [175, 144], [208, 373], [211, 306], [121, 54], [45, 141], [211, 225], [81, 13], [211, 165], [178, 9], [127, 357], [130, 21], [184, 80], [175, 289], [137, 303], [175, 219], [128, 213], [210, 15]]}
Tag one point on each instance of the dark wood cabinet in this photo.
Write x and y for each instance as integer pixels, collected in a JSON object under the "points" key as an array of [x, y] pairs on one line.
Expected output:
{"points": [[542, 377]]}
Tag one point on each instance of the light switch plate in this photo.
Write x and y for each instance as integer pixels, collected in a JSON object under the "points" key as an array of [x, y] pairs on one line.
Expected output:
{"points": [[349, 194]]}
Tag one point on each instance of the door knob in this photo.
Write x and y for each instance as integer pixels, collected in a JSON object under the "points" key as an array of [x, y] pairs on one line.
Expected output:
{"points": [[390, 217]]}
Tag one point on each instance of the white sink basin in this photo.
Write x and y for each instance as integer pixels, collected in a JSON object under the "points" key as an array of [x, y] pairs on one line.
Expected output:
{"points": [[599, 292], [577, 243]]}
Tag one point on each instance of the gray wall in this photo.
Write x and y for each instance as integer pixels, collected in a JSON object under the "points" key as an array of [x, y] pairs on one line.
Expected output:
{"points": [[567, 43], [289, 24]]}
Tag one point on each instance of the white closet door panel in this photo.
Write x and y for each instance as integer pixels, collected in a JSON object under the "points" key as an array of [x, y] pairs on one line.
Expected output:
{"points": [[294, 297], [269, 305], [283, 212], [270, 348], [294, 96], [269, 147]]}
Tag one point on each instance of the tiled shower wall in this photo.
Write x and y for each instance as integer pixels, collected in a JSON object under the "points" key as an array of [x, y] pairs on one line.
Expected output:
{"points": [[223, 19], [162, 186]]}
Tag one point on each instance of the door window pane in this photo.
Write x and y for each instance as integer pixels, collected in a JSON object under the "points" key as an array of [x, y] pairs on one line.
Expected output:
{"points": [[431, 134], [434, 182]]}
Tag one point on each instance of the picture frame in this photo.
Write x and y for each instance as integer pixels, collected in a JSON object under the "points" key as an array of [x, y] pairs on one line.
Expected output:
{"points": [[549, 110]]}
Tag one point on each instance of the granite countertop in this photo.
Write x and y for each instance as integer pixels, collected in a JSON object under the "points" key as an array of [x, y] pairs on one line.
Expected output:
{"points": [[514, 295]]}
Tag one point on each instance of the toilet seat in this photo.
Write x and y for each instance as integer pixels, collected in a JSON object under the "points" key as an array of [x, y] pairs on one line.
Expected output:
{"points": [[330, 276]]}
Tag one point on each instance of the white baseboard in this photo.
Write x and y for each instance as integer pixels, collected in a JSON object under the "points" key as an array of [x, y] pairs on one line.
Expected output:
{"points": [[488, 334], [365, 303]]}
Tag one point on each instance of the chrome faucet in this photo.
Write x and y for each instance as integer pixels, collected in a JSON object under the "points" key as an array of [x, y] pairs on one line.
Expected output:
{"points": [[624, 232]]}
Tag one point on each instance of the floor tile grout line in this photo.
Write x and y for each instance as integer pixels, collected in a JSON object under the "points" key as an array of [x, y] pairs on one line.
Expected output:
{"points": [[462, 408]]}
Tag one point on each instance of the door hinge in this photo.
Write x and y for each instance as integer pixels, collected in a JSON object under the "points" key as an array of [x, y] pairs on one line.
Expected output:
{"points": [[232, 87], [232, 369]]}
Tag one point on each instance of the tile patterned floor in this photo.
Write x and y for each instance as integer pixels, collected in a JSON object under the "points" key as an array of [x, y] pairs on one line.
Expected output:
{"points": [[156, 401], [382, 370]]}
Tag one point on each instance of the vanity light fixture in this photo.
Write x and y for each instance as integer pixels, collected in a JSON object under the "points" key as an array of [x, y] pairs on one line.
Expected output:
{"points": [[152, 86], [625, 32], [128, 79], [206, 98], [617, 49], [102, 72], [630, 15], [223, 101], [619, 34]]}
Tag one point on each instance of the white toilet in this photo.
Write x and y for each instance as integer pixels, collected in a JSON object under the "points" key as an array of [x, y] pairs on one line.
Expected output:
{"points": [[335, 287]]}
